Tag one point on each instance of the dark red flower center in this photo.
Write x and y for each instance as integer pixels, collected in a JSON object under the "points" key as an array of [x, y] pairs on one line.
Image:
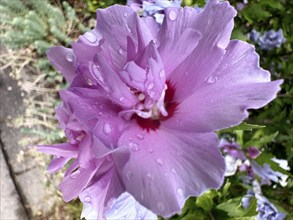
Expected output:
{"points": [[170, 106]]}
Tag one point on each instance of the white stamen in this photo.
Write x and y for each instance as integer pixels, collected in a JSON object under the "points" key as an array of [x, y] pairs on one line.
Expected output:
{"points": [[141, 97], [161, 104]]}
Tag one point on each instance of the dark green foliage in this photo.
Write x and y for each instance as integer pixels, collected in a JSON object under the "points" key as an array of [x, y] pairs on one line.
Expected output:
{"points": [[37, 24], [263, 15], [93, 5]]}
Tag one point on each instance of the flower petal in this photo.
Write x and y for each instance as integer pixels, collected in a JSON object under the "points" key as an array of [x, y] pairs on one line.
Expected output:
{"points": [[126, 23], [236, 85], [184, 163], [111, 82], [177, 38], [215, 24], [126, 207], [57, 163], [61, 150], [97, 196], [197, 113], [63, 59], [73, 184]]}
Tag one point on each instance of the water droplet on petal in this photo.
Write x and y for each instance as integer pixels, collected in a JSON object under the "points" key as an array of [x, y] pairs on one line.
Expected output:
{"points": [[97, 73], [107, 128], [134, 146], [91, 37], [121, 51], [140, 136], [160, 162], [75, 174], [87, 199], [152, 94], [160, 206], [150, 150], [172, 15], [69, 57], [121, 99], [213, 79], [150, 176], [150, 86], [173, 171], [129, 176], [162, 74], [180, 192], [125, 14]]}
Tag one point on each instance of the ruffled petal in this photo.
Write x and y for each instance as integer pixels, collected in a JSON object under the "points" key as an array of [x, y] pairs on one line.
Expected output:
{"points": [[115, 24], [236, 85], [63, 59], [87, 105], [61, 150], [177, 38], [116, 90], [57, 163], [213, 108], [73, 184], [96, 198], [215, 24], [126, 207], [184, 163]]}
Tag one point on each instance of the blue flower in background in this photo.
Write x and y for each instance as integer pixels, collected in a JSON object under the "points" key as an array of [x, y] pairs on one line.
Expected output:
{"points": [[266, 210], [269, 40], [154, 8]]}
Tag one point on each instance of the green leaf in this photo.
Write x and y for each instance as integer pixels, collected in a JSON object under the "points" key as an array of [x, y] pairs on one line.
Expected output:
{"points": [[232, 207], [251, 210], [267, 158], [259, 142], [242, 127], [206, 200], [226, 187]]}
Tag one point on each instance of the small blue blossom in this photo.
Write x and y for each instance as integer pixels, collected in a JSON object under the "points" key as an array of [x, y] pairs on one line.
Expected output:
{"points": [[269, 40], [266, 210], [154, 8]]}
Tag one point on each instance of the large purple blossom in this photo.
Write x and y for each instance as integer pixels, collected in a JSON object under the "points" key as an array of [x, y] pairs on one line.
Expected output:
{"points": [[144, 101]]}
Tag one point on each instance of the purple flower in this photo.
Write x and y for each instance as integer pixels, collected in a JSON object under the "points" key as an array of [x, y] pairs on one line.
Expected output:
{"points": [[269, 40], [267, 175], [266, 210], [126, 207], [233, 149], [143, 104], [252, 152]]}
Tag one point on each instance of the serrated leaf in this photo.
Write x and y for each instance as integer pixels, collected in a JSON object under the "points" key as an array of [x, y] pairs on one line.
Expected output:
{"points": [[243, 127], [266, 158], [205, 201], [232, 207], [251, 210], [226, 187], [260, 141]]}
